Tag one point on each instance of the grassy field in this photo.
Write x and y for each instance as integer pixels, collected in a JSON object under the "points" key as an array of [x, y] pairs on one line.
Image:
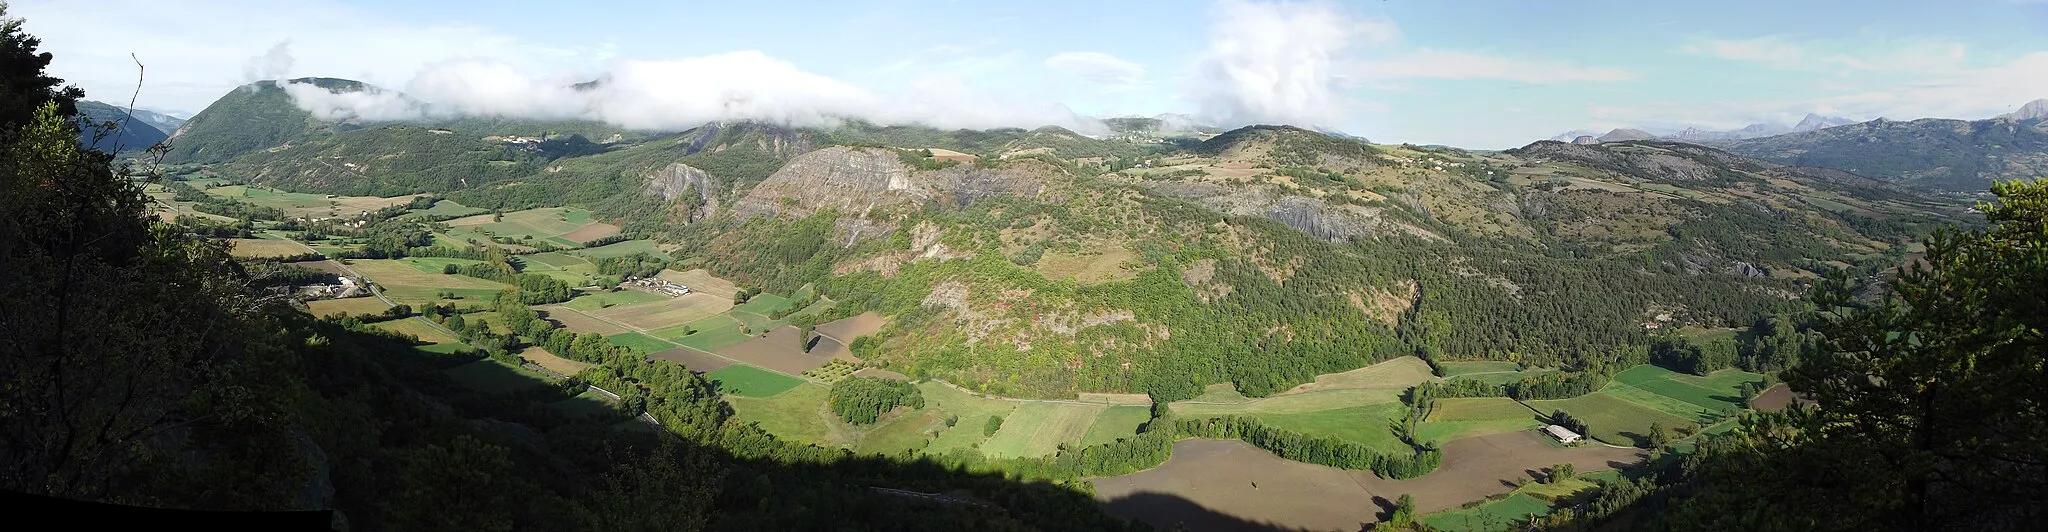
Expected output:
{"points": [[665, 312], [353, 305], [622, 249], [1501, 378], [1115, 423], [302, 204], [748, 381], [712, 333], [1612, 418], [418, 329], [419, 280], [973, 411], [493, 377], [1038, 429], [1368, 425], [796, 415], [258, 247], [527, 226], [642, 342], [1475, 416], [1378, 384], [551, 361], [604, 299], [1715, 392], [1503, 514], [908, 431]]}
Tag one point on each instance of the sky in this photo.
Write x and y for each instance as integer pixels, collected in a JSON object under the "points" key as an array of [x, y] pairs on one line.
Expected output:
{"points": [[1471, 73]]}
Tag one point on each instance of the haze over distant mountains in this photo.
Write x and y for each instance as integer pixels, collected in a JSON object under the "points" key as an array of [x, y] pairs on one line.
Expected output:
{"points": [[1762, 129]]}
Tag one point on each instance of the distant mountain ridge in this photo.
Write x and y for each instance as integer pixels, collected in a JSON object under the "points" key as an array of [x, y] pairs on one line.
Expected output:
{"points": [[1940, 154], [1696, 134], [129, 133]]}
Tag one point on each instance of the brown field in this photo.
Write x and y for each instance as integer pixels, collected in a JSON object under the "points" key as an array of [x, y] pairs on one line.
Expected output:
{"points": [[254, 247], [325, 266], [578, 322], [553, 362], [880, 373], [778, 351], [694, 359], [1137, 399], [847, 329], [1231, 485], [701, 281], [353, 305], [1776, 398], [667, 313], [592, 232]]}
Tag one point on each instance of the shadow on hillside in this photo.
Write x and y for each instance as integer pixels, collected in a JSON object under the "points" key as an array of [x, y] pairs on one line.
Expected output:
{"points": [[752, 487], [1171, 512]]}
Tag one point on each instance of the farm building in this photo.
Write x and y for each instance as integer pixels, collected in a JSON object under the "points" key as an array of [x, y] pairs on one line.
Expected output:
{"points": [[1563, 435]]}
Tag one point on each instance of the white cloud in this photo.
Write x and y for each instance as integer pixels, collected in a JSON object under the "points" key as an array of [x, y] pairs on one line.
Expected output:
{"points": [[1097, 67], [1276, 62], [195, 53], [1451, 64]]}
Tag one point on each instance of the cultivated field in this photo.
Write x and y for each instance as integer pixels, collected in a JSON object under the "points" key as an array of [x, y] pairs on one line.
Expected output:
{"points": [[298, 204], [590, 301], [257, 247], [847, 329], [551, 361], [551, 224], [779, 350], [1611, 418], [577, 321], [700, 280], [1115, 423], [449, 208], [665, 312], [694, 359], [1246, 484], [353, 305], [419, 280]]}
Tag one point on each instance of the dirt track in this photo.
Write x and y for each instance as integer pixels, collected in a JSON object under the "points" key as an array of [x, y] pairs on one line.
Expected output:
{"points": [[1240, 487]]}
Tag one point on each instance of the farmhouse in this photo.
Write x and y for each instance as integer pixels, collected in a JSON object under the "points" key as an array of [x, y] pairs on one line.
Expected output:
{"points": [[659, 285], [1563, 435]]}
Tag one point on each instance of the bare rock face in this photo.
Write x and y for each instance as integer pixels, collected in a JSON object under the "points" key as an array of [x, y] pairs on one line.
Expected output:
{"points": [[855, 180], [852, 180], [670, 183], [1313, 216], [1585, 139]]}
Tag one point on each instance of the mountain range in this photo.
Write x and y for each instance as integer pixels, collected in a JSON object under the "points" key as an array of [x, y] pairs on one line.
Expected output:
{"points": [[1762, 129]]}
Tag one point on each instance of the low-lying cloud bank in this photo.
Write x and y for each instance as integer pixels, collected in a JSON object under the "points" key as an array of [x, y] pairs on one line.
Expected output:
{"points": [[675, 95]]}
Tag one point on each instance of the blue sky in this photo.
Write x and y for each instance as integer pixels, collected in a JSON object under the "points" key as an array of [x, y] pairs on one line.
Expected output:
{"points": [[1481, 74]]}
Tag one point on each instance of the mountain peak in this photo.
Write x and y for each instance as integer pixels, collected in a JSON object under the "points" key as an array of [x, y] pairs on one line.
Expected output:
{"points": [[2032, 110], [1815, 121]]}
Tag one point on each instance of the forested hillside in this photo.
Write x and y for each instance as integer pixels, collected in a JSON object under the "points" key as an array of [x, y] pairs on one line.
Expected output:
{"points": [[1950, 155]]}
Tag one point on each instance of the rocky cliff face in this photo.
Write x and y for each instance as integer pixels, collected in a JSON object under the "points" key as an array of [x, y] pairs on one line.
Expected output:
{"points": [[855, 180], [670, 183], [1309, 215]]}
